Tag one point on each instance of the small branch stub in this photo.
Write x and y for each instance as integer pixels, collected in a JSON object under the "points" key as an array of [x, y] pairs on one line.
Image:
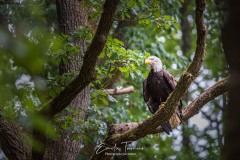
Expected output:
{"points": [[117, 91]]}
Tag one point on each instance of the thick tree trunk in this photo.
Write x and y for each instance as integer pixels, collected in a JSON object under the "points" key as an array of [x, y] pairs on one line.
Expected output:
{"points": [[185, 28], [72, 15], [231, 47], [185, 47], [12, 142]]}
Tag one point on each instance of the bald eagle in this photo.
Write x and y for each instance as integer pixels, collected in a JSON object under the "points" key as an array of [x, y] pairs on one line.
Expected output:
{"points": [[157, 87]]}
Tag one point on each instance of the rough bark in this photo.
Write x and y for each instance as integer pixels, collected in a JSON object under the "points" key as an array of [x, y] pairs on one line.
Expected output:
{"points": [[167, 109], [232, 52], [12, 143], [185, 47], [185, 28], [71, 15]]}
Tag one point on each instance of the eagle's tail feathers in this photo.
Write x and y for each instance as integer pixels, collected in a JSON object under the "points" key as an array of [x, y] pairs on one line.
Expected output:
{"points": [[166, 127]]}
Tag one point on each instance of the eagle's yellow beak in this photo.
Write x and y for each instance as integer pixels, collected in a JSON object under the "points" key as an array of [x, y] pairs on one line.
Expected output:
{"points": [[148, 61]]}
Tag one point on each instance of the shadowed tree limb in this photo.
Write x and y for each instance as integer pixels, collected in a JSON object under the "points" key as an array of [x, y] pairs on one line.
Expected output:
{"points": [[167, 109], [189, 111], [87, 73]]}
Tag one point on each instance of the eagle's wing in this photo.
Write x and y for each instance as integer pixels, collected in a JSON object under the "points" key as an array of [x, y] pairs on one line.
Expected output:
{"points": [[170, 81], [147, 97], [146, 94]]}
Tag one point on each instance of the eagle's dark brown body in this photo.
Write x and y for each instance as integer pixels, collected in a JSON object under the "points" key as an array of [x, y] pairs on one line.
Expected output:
{"points": [[156, 89]]}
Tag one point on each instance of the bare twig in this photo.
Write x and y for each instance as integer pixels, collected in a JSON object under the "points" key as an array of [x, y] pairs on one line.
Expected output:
{"points": [[117, 91]]}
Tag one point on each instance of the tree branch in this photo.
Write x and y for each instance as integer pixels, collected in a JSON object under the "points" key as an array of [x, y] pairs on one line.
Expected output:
{"points": [[218, 89], [117, 91], [87, 73], [189, 111], [167, 109]]}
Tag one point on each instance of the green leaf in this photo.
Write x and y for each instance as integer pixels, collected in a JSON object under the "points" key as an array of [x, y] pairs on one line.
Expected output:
{"points": [[147, 21], [118, 42], [147, 54], [104, 101], [76, 137], [157, 13], [131, 3], [102, 54], [123, 16], [123, 69], [127, 74]]}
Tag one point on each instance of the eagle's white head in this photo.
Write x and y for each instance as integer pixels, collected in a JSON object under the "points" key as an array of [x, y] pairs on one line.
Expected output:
{"points": [[155, 63]]}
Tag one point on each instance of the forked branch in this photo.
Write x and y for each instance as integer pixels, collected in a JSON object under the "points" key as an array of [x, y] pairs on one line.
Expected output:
{"points": [[167, 109], [189, 111]]}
